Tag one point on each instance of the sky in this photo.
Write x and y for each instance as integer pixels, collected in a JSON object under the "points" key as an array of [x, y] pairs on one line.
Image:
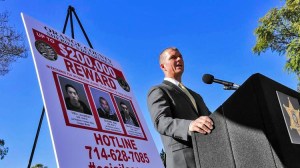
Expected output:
{"points": [[214, 37]]}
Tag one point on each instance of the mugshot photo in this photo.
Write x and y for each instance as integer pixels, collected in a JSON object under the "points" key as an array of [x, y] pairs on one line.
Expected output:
{"points": [[74, 96], [126, 111], [104, 105]]}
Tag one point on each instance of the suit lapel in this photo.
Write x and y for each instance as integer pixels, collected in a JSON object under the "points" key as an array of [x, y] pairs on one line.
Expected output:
{"points": [[177, 89]]}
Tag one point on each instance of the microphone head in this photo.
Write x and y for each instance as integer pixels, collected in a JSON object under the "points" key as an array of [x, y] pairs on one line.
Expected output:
{"points": [[208, 78]]}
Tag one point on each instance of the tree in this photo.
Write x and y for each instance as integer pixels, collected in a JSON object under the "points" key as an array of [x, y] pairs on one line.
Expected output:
{"points": [[163, 157], [12, 44], [39, 166], [279, 30], [3, 150]]}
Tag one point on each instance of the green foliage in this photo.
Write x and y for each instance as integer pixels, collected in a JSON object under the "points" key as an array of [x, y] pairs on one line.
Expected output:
{"points": [[279, 31], [3, 150], [39, 166]]}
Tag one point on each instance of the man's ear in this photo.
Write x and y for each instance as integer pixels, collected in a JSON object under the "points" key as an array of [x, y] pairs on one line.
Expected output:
{"points": [[162, 66]]}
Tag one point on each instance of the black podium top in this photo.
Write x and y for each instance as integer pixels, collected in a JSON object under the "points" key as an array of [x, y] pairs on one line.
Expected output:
{"points": [[250, 130]]}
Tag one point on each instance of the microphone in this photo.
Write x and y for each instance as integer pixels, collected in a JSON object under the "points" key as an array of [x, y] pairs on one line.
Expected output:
{"points": [[209, 79]]}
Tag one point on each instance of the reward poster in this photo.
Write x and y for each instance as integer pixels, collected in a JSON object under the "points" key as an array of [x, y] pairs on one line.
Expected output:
{"points": [[94, 119]]}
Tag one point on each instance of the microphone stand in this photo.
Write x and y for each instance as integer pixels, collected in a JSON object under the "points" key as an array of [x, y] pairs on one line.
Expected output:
{"points": [[230, 87]]}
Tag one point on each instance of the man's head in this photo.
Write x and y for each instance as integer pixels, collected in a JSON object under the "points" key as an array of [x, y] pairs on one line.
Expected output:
{"points": [[124, 108], [72, 93], [104, 104], [171, 63]]}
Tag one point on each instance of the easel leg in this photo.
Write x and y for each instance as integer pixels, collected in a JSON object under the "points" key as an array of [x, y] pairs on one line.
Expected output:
{"points": [[36, 137]]}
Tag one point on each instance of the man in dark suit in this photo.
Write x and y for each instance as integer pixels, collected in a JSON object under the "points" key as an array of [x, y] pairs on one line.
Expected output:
{"points": [[104, 110], [176, 111]]}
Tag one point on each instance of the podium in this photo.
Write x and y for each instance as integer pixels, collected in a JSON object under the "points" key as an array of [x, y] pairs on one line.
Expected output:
{"points": [[250, 130]]}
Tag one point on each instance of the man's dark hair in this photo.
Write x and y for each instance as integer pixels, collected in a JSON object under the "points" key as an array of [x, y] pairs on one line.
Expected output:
{"points": [[102, 98], [68, 85], [122, 103]]}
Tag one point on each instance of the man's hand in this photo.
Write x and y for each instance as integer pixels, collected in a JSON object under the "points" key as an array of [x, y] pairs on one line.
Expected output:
{"points": [[203, 125]]}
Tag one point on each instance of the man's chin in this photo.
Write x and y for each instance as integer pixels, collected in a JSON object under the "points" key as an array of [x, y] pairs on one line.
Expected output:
{"points": [[74, 100], [179, 71]]}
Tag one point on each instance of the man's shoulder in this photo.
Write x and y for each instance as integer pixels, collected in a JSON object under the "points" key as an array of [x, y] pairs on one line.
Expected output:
{"points": [[86, 108], [164, 88], [163, 85], [156, 88], [68, 102], [100, 112]]}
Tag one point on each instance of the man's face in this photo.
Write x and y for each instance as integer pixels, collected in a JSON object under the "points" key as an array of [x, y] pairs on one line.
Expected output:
{"points": [[104, 105], [172, 64], [72, 94], [125, 109]]}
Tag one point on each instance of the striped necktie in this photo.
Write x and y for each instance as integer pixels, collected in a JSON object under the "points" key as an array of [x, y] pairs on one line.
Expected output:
{"points": [[181, 86]]}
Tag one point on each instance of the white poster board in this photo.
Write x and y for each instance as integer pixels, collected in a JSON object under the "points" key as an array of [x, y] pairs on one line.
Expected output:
{"points": [[94, 119]]}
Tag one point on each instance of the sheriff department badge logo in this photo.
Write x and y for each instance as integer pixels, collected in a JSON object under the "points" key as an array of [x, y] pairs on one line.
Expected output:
{"points": [[291, 114], [46, 50], [294, 116], [122, 82]]}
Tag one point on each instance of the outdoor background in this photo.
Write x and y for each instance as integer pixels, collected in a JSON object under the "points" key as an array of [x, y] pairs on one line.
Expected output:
{"points": [[213, 36]]}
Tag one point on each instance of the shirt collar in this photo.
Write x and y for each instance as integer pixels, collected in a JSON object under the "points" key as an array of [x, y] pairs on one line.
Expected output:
{"points": [[174, 81]]}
